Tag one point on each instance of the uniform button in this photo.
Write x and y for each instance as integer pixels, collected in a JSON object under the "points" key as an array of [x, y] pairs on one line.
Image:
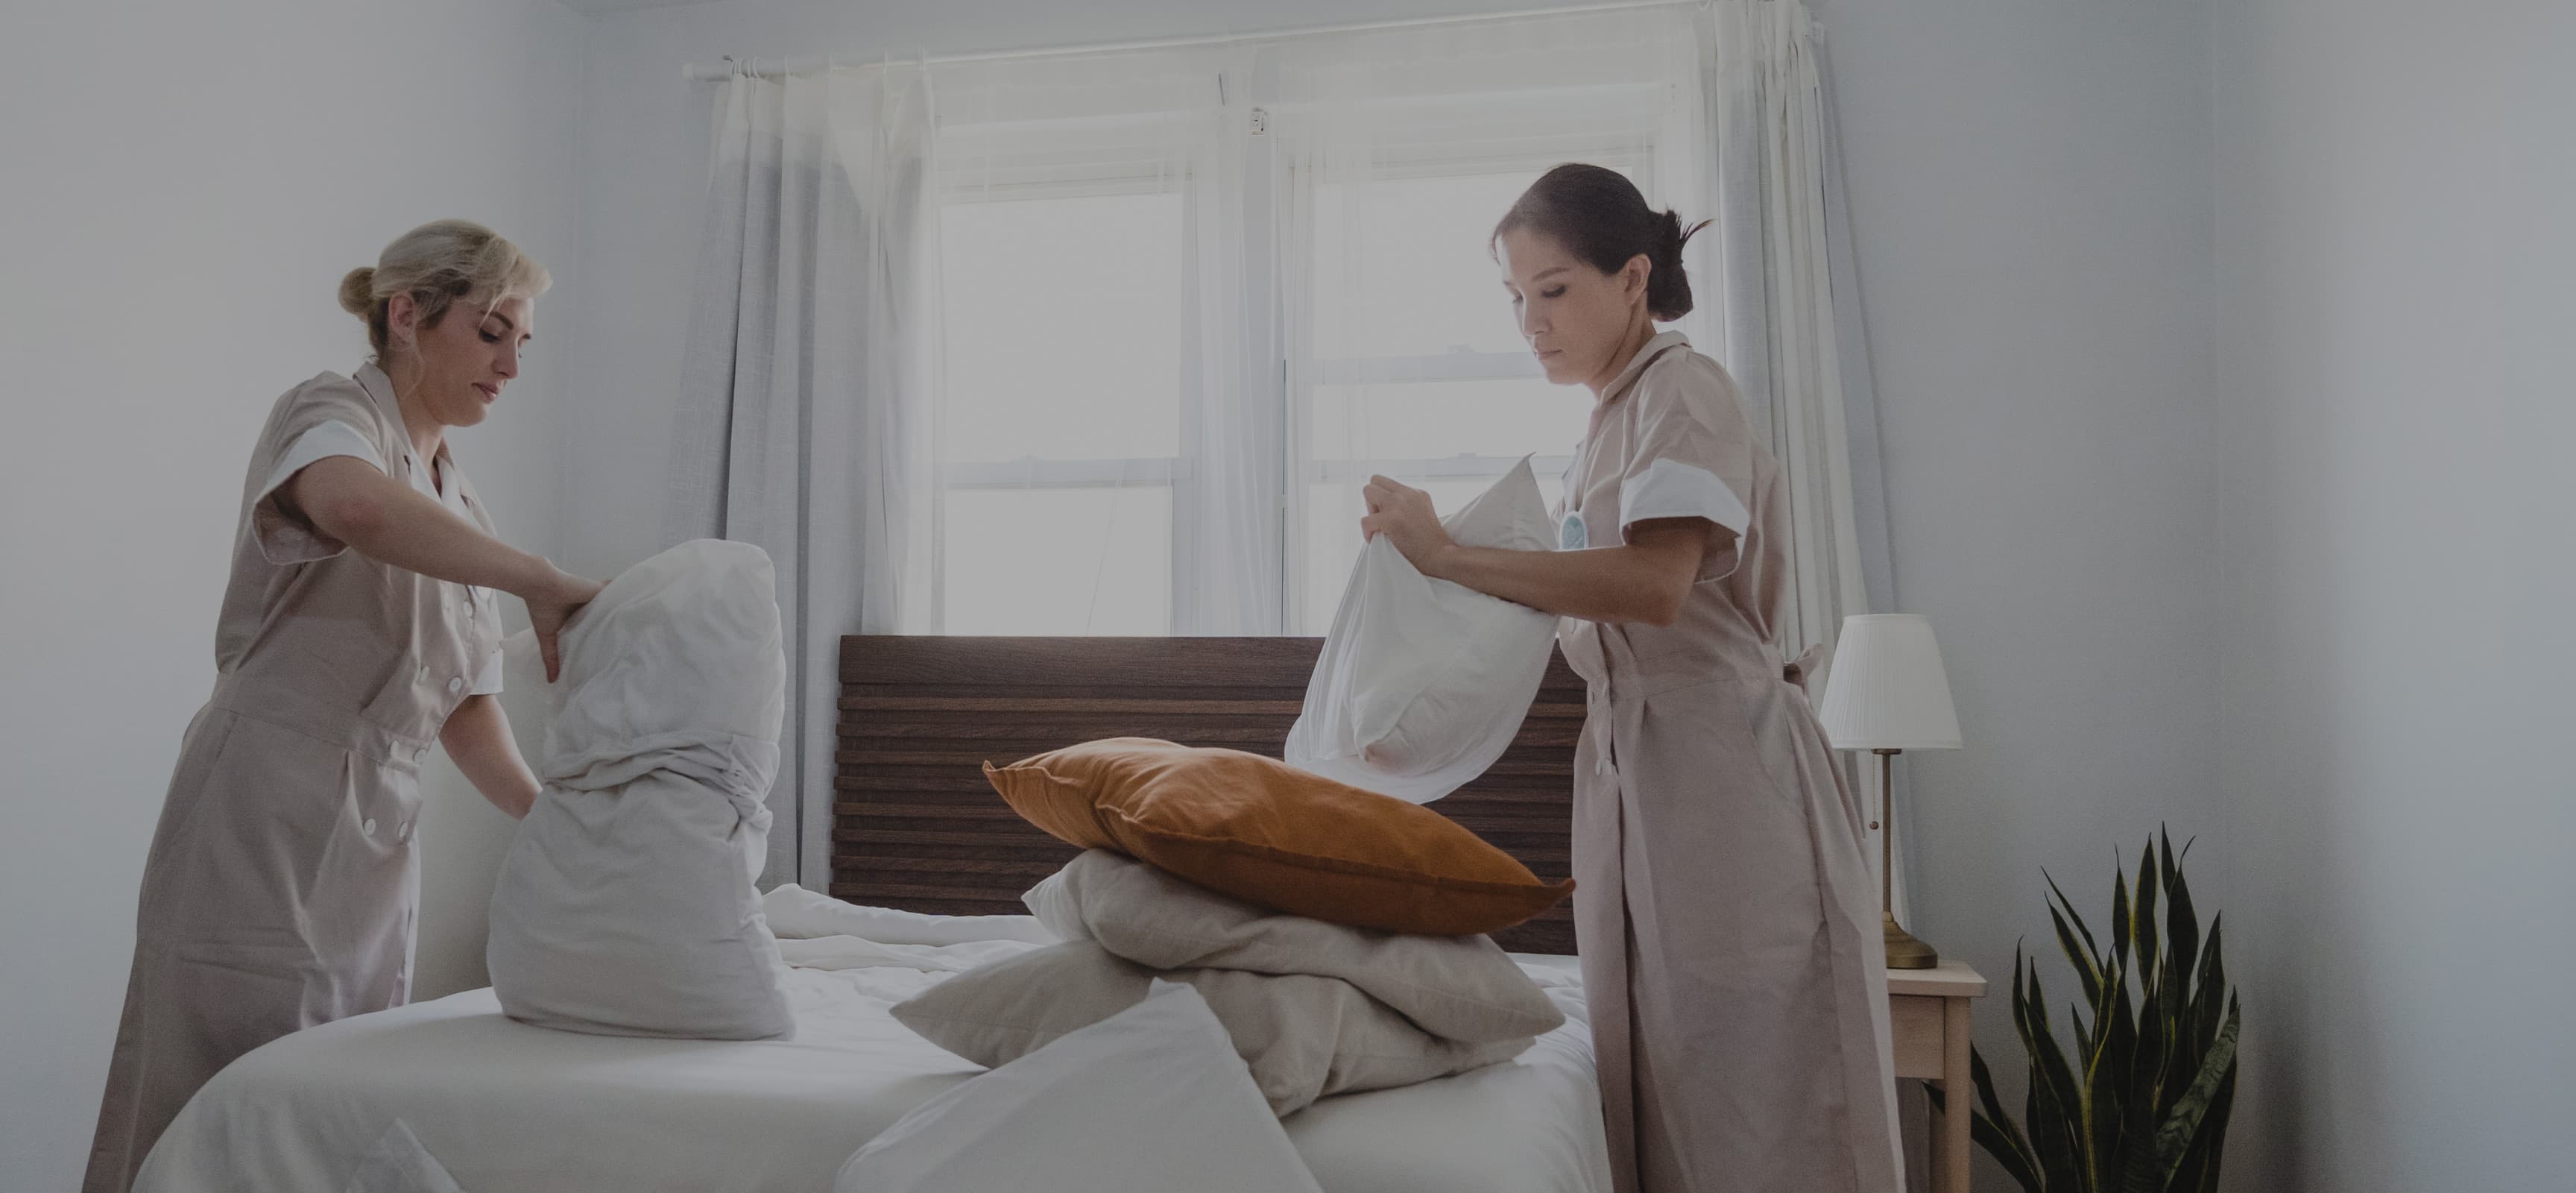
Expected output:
{"points": [[403, 833], [369, 827], [1602, 767], [455, 684], [424, 675]]}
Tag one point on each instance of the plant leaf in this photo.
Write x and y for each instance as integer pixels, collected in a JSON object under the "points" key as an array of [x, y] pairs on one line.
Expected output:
{"points": [[2200, 1166], [2092, 950], [2174, 1139], [2120, 920], [1990, 1133], [2106, 1084], [2146, 1096], [2213, 991], [2087, 967], [2053, 1105], [2145, 932], [1992, 1109], [2182, 933]]}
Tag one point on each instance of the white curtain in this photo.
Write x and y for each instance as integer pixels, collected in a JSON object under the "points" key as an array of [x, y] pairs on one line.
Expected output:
{"points": [[804, 426], [1785, 329]]}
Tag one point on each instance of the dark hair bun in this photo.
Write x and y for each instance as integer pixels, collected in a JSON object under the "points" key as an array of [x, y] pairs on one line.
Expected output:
{"points": [[1668, 292]]}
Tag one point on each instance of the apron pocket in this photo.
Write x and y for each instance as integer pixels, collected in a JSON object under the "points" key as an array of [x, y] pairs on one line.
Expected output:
{"points": [[231, 997]]}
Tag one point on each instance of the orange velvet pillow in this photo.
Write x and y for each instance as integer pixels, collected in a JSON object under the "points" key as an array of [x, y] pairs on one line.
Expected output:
{"points": [[1272, 835]]}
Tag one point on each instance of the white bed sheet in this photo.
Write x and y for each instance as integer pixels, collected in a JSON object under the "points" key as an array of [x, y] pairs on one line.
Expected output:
{"points": [[510, 1108]]}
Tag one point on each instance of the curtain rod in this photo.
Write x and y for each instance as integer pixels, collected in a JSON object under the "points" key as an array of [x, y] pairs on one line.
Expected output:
{"points": [[699, 72]]}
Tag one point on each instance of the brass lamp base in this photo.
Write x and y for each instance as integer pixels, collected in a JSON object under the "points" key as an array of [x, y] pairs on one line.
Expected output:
{"points": [[1905, 952]]}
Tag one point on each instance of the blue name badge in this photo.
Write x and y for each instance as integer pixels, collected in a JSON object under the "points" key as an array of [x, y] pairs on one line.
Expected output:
{"points": [[1571, 535]]}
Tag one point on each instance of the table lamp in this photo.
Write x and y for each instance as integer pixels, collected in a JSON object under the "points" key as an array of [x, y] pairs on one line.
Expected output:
{"points": [[1887, 694]]}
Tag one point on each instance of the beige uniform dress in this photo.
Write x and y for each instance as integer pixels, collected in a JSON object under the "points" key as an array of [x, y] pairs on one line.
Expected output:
{"points": [[281, 884], [1725, 910]]}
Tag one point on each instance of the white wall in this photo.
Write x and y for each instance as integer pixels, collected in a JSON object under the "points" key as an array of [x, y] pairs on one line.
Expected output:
{"points": [[186, 184], [2029, 190], [2395, 353]]}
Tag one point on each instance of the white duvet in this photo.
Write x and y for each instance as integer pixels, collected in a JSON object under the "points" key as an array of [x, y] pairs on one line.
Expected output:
{"points": [[509, 1108]]}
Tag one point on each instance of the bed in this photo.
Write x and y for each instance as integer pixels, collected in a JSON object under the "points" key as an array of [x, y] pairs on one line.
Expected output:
{"points": [[505, 1107]]}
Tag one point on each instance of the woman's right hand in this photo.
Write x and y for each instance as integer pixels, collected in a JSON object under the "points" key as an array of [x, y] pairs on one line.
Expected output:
{"points": [[550, 606]]}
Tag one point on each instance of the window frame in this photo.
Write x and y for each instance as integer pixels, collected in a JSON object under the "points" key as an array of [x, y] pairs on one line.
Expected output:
{"points": [[1276, 188]]}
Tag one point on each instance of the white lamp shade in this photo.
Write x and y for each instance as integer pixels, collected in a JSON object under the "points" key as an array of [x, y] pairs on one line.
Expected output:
{"points": [[1886, 690]]}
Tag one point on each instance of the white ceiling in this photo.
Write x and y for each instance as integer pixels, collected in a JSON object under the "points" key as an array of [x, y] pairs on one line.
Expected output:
{"points": [[602, 7]]}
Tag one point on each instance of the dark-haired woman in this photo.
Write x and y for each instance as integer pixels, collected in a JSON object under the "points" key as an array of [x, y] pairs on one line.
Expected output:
{"points": [[1727, 917]]}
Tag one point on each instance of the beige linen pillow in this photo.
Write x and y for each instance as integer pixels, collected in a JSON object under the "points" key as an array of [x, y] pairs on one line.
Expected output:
{"points": [[1463, 988], [1303, 1037]]}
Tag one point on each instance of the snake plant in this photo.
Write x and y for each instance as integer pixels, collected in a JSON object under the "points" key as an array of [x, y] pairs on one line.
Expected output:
{"points": [[2140, 1103]]}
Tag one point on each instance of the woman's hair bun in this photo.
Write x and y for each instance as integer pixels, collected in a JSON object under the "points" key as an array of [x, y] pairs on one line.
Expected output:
{"points": [[358, 291]]}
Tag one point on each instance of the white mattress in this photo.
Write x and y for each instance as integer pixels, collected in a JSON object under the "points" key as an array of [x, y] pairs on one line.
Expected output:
{"points": [[509, 1108]]}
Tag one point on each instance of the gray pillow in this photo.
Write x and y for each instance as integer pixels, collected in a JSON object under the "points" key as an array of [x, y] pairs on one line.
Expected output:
{"points": [[1303, 1036], [1463, 988]]}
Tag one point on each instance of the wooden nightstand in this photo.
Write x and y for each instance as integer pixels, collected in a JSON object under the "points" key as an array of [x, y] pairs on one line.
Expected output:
{"points": [[1929, 1010]]}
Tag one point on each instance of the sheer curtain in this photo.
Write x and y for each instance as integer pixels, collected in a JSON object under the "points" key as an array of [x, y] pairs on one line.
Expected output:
{"points": [[1785, 328], [803, 425]]}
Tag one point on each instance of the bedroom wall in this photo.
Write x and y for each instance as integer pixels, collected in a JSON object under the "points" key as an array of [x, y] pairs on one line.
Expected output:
{"points": [[2029, 184], [2394, 358], [2030, 190], [186, 185]]}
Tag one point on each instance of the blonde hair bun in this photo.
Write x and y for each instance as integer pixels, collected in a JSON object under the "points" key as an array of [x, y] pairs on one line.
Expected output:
{"points": [[358, 290]]}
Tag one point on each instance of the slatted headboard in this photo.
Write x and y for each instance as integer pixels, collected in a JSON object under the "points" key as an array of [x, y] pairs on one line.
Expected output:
{"points": [[916, 825]]}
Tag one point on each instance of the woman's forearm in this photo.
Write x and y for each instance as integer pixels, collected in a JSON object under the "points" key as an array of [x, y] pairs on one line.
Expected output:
{"points": [[1643, 581], [391, 522], [478, 740]]}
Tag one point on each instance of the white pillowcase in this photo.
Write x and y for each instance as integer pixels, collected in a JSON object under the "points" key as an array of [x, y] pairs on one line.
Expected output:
{"points": [[1423, 683], [625, 905], [1146, 1100], [1463, 988], [1304, 1037], [795, 912]]}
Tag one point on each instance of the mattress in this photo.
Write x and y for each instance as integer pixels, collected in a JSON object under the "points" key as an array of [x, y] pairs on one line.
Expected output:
{"points": [[510, 1108]]}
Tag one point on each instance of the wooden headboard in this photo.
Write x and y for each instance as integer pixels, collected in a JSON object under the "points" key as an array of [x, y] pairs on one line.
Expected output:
{"points": [[916, 826]]}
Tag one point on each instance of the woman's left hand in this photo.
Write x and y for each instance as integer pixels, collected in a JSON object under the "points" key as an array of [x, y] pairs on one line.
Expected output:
{"points": [[1404, 515]]}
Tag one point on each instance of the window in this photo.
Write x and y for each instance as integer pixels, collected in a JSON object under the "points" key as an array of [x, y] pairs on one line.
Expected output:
{"points": [[1063, 363], [1194, 301]]}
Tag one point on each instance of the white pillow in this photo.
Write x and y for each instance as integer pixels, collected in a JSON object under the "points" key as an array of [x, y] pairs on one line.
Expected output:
{"points": [[1463, 988], [1147, 1100], [1423, 683], [625, 905], [1304, 1037], [799, 913]]}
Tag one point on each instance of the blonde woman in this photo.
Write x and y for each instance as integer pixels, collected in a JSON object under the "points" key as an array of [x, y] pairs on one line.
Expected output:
{"points": [[359, 627]]}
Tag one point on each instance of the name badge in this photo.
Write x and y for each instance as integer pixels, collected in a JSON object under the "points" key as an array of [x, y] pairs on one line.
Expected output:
{"points": [[1571, 535]]}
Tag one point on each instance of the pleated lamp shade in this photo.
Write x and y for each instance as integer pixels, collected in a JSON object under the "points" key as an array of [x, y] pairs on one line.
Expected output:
{"points": [[1887, 690]]}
